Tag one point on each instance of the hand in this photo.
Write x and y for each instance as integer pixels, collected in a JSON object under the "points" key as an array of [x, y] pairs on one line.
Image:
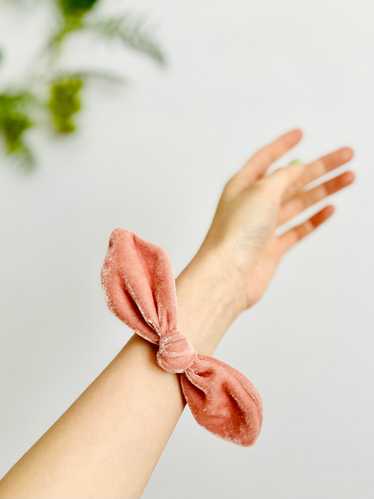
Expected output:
{"points": [[254, 204]]}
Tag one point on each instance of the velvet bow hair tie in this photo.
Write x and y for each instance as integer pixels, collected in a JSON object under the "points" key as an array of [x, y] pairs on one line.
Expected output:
{"points": [[140, 289]]}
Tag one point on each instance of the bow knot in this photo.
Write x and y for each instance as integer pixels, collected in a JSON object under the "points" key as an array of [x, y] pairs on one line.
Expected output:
{"points": [[175, 353]]}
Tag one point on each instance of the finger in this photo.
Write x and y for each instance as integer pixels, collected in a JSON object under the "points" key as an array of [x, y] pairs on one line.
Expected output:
{"points": [[306, 199], [296, 234], [259, 162], [323, 165]]}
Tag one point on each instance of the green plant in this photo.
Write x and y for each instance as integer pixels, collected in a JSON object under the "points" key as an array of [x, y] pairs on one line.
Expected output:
{"points": [[15, 121], [59, 94], [65, 95]]}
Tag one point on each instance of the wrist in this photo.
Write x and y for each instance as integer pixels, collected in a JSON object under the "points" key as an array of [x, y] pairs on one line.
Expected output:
{"points": [[210, 297]]}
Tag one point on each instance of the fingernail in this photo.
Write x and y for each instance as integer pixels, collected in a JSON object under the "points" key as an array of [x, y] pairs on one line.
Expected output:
{"points": [[347, 153]]}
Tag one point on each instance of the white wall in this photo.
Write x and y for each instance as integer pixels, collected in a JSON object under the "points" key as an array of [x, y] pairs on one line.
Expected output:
{"points": [[152, 158]]}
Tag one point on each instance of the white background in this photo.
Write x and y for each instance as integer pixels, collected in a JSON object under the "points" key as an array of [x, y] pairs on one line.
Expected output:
{"points": [[152, 157]]}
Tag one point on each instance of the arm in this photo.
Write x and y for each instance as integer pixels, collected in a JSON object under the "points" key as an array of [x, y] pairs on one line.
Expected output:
{"points": [[108, 442], [110, 439]]}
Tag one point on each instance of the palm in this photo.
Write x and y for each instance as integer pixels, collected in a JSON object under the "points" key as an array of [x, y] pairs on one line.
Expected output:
{"points": [[261, 274]]}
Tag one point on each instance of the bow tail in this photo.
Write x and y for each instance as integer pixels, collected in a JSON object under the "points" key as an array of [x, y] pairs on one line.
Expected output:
{"points": [[222, 400]]}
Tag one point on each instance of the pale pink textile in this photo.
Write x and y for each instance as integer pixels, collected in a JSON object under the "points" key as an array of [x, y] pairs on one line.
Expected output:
{"points": [[140, 288]]}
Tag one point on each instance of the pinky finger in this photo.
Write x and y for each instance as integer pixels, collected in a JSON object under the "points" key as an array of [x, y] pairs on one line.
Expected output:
{"points": [[297, 233]]}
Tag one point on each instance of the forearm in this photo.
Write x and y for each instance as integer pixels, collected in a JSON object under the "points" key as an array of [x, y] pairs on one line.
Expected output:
{"points": [[108, 442]]}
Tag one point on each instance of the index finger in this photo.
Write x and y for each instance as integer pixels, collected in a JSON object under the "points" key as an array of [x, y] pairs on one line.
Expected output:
{"points": [[261, 160]]}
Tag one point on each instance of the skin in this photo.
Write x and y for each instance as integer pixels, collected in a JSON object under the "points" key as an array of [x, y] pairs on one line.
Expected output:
{"points": [[109, 441]]}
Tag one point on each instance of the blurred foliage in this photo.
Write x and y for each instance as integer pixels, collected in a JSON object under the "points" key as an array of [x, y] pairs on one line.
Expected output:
{"points": [[15, 120], [76, 7], [65, 101], [59, 95], [131, 31]]}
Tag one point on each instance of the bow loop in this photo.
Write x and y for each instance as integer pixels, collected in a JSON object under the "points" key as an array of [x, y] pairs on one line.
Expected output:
{"points": [[223, 400], [139, 285]]}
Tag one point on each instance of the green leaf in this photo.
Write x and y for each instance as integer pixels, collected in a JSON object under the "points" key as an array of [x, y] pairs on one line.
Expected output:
{"points": [[76, 7], [65, 102], [131, 31], [15, 121], [10, 100]]}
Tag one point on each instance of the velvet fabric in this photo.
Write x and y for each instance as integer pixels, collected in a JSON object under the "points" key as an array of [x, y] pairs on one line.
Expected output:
{"points": [[140, 289]]}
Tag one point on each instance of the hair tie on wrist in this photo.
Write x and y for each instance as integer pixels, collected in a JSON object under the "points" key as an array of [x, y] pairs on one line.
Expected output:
{"points": [[140, 288]]}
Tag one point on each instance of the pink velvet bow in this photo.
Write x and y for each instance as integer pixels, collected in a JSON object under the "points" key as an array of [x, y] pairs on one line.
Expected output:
{"points": [[140, 290]]}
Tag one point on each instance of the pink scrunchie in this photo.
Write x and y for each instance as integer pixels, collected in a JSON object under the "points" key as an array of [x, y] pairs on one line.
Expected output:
{"points": [[140, 290]]}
